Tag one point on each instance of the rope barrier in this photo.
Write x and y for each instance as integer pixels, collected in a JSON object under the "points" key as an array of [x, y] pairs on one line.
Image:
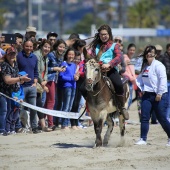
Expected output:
{"points": [[70, 115]]}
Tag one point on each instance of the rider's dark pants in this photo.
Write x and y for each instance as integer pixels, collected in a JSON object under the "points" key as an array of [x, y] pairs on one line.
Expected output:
{"points": [[116, 80]]}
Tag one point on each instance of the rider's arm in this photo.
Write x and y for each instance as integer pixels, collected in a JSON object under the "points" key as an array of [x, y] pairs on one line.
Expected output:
{"points": [[118, 56]]}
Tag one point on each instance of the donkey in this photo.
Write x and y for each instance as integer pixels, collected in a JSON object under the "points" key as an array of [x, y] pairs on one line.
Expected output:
{"points": [[99, 98]]}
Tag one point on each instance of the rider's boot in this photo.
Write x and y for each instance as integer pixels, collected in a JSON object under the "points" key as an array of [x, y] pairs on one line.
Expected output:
{"points": [[121, 105]]}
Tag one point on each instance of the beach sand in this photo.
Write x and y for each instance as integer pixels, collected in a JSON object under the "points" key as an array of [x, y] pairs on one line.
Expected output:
{"points": [[73, 150]]}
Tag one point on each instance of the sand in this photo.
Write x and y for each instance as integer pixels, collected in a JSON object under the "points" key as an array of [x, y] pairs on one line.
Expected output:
{"points": [[73, 150]]}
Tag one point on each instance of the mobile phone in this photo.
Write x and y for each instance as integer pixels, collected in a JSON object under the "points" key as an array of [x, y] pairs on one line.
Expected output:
{"points": [[63, 66], [9, 38], [22, 73]]}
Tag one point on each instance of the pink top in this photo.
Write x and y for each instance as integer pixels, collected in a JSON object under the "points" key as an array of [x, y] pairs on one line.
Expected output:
{"points": [[130, 70], [81, 68]]}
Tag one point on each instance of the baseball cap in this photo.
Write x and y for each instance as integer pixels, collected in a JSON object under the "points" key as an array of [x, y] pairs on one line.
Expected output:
{"points": [[11, 50], [158, 47], [52, 34], [118, 37], [31, 29]]}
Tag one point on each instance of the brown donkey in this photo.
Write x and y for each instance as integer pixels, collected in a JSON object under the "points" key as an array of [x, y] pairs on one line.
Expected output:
{"points": [[100, 101]]}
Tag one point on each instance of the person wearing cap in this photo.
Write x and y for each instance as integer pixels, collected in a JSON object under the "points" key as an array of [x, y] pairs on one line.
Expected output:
{"points": [[19, 41], [13, 123], [9, 82], [119, 40], [159, 50], [122, 66], [30, 33], [52, 37], [165, 59]]}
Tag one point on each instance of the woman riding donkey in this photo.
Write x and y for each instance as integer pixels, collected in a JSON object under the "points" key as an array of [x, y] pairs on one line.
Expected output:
{"points": [[108, 52]]}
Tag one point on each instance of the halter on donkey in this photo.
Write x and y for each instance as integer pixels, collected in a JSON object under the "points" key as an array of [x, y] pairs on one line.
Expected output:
{"points": [[100, 101]]}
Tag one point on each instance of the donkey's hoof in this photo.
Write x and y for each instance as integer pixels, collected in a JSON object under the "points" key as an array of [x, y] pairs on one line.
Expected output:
{"points": [[97, 145], [105, 144]]}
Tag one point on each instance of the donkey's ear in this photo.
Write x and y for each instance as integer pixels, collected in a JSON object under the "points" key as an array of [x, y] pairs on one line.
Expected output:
{"points": [[87, 56]]}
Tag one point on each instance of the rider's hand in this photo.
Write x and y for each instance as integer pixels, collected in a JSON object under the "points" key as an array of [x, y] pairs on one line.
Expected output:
{"points": [[105, 67]]}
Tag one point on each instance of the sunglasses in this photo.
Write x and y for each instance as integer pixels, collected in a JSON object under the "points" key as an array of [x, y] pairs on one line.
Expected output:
{"points": [[117, 40], [52, 39]]}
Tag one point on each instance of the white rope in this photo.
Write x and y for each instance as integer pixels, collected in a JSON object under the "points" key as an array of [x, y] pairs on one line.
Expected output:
{"points": [[70, 115]]}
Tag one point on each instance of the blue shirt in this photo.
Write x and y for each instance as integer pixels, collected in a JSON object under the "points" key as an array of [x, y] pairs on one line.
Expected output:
{"points": [[108, 55], [19, 94], [29, 64], [66, 79]]}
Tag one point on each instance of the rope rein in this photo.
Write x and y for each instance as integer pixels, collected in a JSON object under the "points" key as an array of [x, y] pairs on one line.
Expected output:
{"points": [[100, 89]]}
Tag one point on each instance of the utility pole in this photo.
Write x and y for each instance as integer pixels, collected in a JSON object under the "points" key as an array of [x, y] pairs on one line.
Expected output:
{"points": [[61, 18], [120, 13], [94, 12], [40, 15], [29, 12]]}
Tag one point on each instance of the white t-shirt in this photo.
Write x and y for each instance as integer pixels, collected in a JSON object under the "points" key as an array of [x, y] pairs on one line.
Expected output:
{"points": [[147, 85]]}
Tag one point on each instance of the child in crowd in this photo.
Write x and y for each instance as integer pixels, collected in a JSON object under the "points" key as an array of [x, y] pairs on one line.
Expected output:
{"points": [[13, 116], [76, 102], [67, 84]]}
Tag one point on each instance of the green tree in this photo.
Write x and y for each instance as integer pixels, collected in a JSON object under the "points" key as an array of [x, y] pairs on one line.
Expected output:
{"points": [[142, 14], [2, 19], [165, 15], [83, 26]]}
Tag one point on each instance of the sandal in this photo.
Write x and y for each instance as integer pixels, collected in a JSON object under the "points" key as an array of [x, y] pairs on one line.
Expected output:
{"points": [[46, 129]]}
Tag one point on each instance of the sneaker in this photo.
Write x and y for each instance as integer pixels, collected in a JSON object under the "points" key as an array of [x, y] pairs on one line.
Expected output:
{"points": [[8, 132], [27, 130], [20, 130], [4, 133], [36, 130], [12, 133], [168, 144], [141, 142]]}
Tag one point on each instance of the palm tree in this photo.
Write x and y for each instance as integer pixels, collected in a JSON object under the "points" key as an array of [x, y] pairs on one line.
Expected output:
{"points": [[165, 16], [142, 15]]}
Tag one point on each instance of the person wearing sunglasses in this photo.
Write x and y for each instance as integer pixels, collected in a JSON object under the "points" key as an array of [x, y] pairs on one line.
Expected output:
{"points": [[52, 37]]}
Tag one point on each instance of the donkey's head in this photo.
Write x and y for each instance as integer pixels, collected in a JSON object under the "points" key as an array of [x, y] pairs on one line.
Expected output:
{"points": [[92, 73]]}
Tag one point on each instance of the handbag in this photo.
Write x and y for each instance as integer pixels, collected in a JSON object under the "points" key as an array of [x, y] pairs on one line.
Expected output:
{"points": [[39, 88]]}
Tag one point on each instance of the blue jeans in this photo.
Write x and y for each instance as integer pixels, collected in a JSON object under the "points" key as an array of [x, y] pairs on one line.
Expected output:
{"points": [[11, 118], [43, 98], [168, 109], [160, 108], [18, 124], [30, 97], [5, 107], [68, 95], [130, 93]]}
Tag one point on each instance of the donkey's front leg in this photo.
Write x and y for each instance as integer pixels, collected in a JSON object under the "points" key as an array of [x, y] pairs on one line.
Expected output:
{"points": [[98, 130], [109, 130], [122, 125]]}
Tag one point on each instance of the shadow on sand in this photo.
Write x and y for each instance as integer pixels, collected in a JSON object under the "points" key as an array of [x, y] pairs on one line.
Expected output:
{"points": [[70, 145]]}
